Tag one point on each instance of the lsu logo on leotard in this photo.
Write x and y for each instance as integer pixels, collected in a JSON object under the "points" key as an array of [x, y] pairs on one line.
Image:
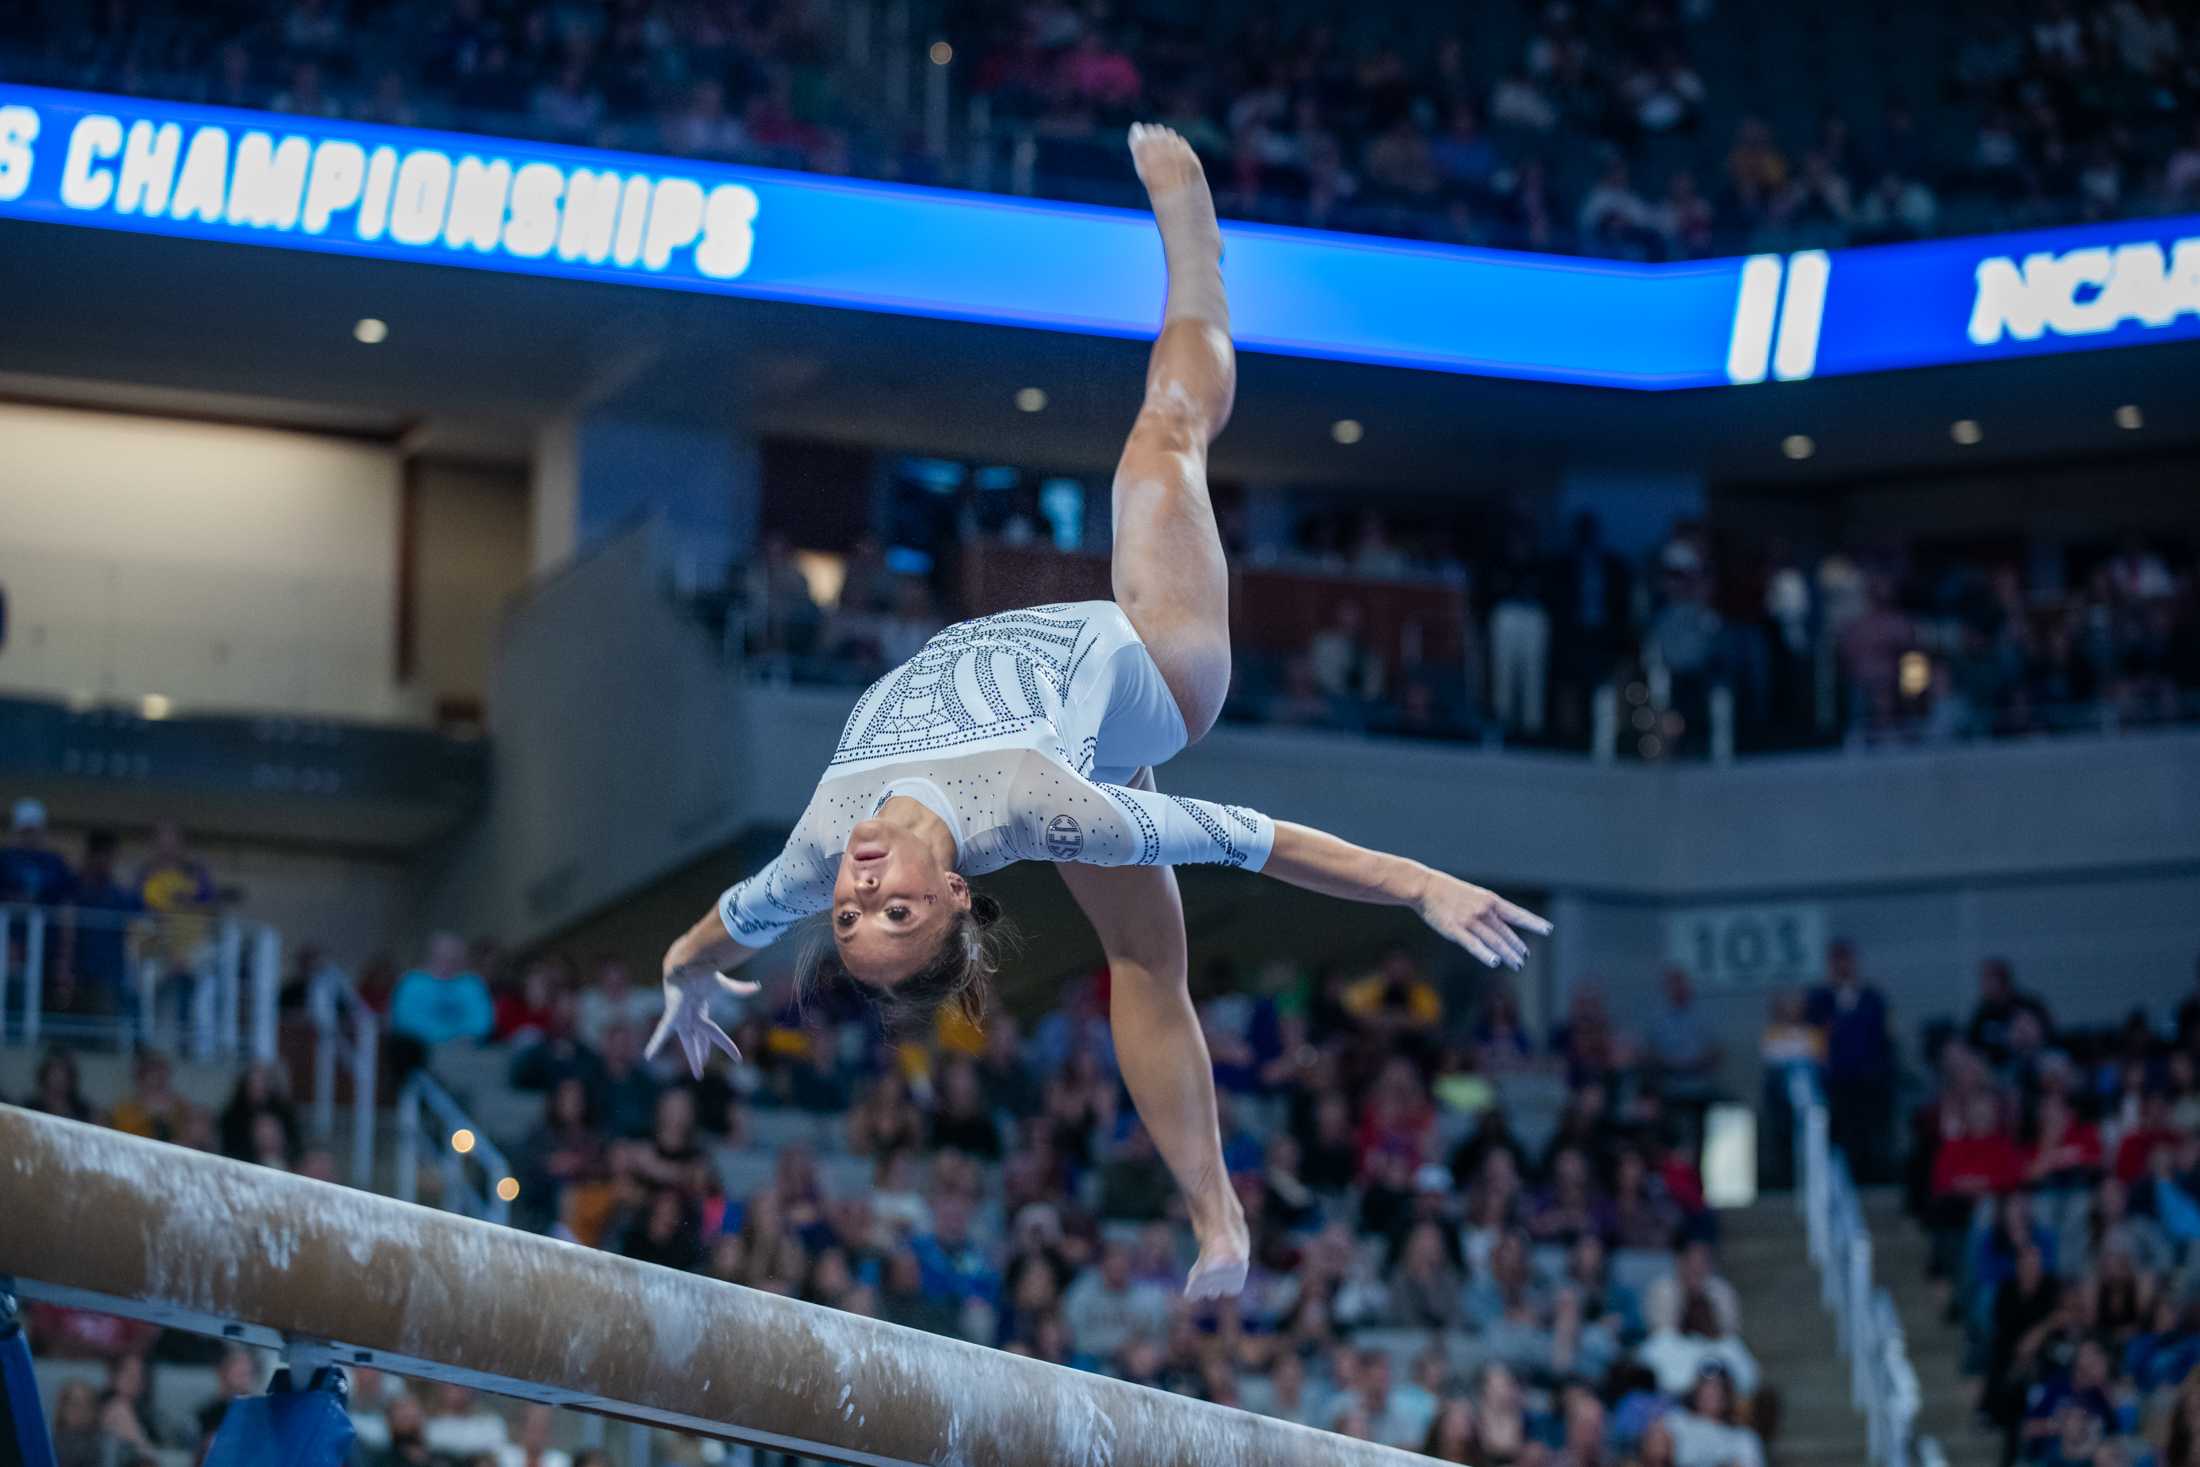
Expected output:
{"points": [[1065, 838]]}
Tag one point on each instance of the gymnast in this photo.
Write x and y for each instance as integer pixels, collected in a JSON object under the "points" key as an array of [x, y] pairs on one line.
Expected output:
{"points": [[1033, 736]]}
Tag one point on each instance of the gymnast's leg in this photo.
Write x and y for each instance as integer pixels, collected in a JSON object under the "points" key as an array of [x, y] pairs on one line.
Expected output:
{"points": [[1139, 917], [1168, 569]]}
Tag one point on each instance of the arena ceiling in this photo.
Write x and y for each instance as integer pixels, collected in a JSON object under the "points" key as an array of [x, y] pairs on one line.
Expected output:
{"points": [[474, 360]]}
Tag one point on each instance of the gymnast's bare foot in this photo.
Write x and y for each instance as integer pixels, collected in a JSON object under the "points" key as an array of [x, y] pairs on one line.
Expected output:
{"points": [[1176, 186], [1191, 240], [1225, 1249]]}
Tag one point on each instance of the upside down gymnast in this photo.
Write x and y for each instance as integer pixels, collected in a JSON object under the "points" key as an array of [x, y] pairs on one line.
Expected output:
{"points": [[1033, 736]]}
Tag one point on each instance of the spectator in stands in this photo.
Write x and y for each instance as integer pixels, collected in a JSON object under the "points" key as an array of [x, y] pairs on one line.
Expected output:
{"points": [[1694, 1276], [171, 880], [1424, 1282], [1852, 1014], [666, 1232], [1707, 1431], [153, 1109], [955, 1268], [100, 960], [2154, 1131], [1678, 1356], [614, 998], [1978, 1161], [1345, 666], [528, 1013], [440, 1002], [257, 1101], [57, 1090], [1685, 1056], [568, 1150], [408, 1428], [964, 1120], [1999, 1002], [884, 1120], [236, 1377], [31, 871], [1501, 1040], [673, 1157], [1520, 639], [1500, 1414], [2027, 1299], [1105, 1307], [77, 1438], [531, 1447], [1396, 1000], [1615, 220]]}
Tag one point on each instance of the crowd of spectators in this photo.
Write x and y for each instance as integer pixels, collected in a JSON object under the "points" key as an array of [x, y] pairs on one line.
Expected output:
{"points": [[1858, 643], [2058, 1172], [1472, 1240], [1591, 127], [106, 925], [1469, 1239]]}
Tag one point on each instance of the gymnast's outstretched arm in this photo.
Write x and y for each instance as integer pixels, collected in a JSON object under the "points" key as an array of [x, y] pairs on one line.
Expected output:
{"points": [[1478, 920], [1139, 916]]}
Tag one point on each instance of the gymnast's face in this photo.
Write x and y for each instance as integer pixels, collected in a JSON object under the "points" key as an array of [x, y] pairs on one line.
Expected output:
{"points": [[892, 903]]}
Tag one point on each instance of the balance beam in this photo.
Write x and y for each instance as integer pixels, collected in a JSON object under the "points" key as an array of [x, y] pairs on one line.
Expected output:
{"points": [[108, 1221]]}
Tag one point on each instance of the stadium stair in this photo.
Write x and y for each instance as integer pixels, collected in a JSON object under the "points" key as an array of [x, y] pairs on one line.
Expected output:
{"points": [[1764, 1255], [1899, 1251]]}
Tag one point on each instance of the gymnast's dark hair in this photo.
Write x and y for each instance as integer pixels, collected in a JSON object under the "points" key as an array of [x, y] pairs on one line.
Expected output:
{"points": [[959, 973]]}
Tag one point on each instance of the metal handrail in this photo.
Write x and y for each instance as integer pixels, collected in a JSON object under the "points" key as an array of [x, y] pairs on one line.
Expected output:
{"points": [[1883, 1384], [347, 1035], [461, 1142], [235, 974]]}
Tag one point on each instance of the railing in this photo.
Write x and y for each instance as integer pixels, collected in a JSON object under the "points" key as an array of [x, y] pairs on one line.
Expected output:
{"points": [[346, 1039], [1882, 1383], [217, 975], [462, 1146]]}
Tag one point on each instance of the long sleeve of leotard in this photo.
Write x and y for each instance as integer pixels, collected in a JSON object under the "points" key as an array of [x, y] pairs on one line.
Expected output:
{"points": [[1060, 816], [1177, 830], [796, 883]]}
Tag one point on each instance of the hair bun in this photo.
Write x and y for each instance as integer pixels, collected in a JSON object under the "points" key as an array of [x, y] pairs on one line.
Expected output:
{"points": [[984, 910]]}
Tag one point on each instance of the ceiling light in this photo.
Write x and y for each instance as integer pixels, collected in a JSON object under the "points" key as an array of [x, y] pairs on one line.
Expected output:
{"points": [[462, 1140], [1031, 399], [1798, 446], [1965, 431], [508, 1189], [941, 53], [1347, 430], [2128, 417], [370, 331], [155, 706]]}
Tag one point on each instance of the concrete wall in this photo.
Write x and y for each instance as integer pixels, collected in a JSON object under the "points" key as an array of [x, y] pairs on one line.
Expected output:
{"points": [[223, 567], [470, 551], [619, 745]]}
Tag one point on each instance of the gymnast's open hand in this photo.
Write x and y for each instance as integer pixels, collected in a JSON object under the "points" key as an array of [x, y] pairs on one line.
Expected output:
{"points": [[689, 989], [1478, 920]]}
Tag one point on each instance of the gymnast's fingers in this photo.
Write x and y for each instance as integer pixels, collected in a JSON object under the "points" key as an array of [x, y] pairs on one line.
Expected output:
{"points": [[720, 1039], [742, 986], [658, 1035], [1522, 917], [698, 1053], [1508, 941], [1501, 941], [1467, 938]]}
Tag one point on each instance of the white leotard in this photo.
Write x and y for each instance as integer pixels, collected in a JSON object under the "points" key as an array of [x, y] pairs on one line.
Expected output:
{"points": [[1017, 730]]}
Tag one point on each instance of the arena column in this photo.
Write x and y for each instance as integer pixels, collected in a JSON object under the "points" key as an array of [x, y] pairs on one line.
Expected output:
{"points": [[594, 473]]}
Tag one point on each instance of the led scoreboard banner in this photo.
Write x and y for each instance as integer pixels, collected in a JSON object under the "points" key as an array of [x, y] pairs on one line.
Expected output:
{"points": [[211, 173]]}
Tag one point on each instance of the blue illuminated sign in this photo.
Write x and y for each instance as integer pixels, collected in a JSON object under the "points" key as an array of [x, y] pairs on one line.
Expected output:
{"points": [[529, 208]]}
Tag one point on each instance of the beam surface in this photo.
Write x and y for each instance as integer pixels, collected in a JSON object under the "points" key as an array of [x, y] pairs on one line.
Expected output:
{"points": [[202, 1242]]}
